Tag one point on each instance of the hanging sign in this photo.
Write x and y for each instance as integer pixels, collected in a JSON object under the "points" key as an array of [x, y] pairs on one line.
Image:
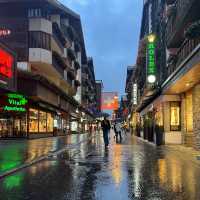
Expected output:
{"points": [[109, 101], [151, 63]]}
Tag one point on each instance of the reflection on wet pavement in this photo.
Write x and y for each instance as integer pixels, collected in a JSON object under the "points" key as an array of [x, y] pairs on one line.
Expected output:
{"points": [[131, 170], [15, 153]]}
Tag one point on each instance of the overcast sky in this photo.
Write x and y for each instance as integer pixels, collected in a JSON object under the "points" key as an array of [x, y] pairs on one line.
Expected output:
{"points": [[111, 30]]}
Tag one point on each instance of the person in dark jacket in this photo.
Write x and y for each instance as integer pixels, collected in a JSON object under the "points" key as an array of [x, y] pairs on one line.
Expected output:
{"points": [[105, 125]]}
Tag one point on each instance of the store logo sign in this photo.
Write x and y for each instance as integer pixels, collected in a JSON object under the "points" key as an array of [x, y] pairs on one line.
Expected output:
{"points": [[4, 32], [15, 102], [6, 64], [151, 63]]}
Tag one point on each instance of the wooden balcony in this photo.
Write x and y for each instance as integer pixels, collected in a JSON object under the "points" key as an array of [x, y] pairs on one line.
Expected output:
{"points": [[58, 35], [186, 11], [184, 53]]}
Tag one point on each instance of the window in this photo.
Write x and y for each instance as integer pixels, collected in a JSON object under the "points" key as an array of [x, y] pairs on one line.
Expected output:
{"points": [[38, 39], [42, 122], [34, 12], [49, 122], [33, 120], [175, 111], [189, 112], [159, 116], [58, 122], [38, 13]]}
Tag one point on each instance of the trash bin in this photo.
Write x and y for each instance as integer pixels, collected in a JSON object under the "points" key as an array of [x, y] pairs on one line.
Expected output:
{"points": [[159, 135], [55, 131]]}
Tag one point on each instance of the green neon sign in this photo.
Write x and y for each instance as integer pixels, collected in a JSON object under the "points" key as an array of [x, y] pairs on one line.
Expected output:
{"points": [[16, 109], [151, 61], [15, 102]]}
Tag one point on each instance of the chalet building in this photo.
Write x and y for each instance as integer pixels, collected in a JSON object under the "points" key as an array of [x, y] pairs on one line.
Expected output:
{"points": [[89, 92], [169, 108], [48, 40], [183, 70], [99, 90]]}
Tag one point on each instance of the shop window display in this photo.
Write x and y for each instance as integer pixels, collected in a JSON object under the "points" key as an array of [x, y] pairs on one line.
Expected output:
{"points": [[42, 122], [189, 112], [24, 125], [58, 122], [5, 127], [33, 120], [175, 124], [64, 125], [159, 116], [74, 126], [49, 122], [16, 131]]}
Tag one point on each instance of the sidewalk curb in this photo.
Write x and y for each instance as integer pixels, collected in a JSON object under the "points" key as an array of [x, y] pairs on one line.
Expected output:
{"points": [[48, 155]]}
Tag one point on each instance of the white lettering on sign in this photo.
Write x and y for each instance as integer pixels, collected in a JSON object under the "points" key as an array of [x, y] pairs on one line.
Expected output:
{"points": [[134, 94]]}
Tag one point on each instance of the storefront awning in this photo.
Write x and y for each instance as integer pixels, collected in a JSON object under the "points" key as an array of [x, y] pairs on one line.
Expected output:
{"points": [[147, 99], [158, 100]]}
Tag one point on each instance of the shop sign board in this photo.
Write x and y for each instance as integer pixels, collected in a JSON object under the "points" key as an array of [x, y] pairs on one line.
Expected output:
{"points": [[7, 69], [151, 63], [14, 102], [109, 101], [4, 32], [6, 63]]}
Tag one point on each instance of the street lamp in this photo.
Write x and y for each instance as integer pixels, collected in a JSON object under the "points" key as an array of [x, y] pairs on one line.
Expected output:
{"points": [[151, 79], [151, 38]]}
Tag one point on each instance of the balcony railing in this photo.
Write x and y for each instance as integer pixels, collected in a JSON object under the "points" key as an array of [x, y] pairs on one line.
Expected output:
{"points": [[59, 63], [176, 19], [58, 35], [185, 50], [56, 63]]}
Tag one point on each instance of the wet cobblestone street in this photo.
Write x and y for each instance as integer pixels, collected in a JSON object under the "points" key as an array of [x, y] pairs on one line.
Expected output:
{"points": [[131, 170], [14, 153]]}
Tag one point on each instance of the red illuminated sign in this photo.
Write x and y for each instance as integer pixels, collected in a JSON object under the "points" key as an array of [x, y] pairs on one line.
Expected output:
{"points": [[6, 64], [109, 101], [5, 32]]}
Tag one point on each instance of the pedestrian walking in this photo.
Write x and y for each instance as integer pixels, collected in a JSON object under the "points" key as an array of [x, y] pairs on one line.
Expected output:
{"points": [[105, 125], [118, 128]]}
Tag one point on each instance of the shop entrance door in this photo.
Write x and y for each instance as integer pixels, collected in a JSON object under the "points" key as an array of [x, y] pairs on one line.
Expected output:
{"points": [[16, 127], [19, 126]]}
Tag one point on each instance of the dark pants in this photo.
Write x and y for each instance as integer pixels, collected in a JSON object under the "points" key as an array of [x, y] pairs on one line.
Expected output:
{"points": [[120, 136], [105, 137]]}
